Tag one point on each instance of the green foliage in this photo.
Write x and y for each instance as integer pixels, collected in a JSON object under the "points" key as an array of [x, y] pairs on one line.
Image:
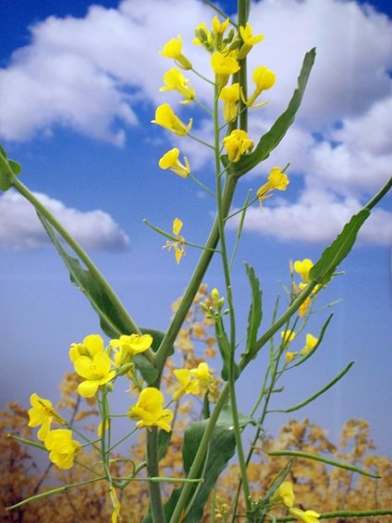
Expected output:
{"points": [[8, 170]]}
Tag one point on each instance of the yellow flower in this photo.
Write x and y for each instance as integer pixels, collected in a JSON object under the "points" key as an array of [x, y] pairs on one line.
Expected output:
{"points": [[302, 268], [165, 117], [179, 245], [276, 180], [287, 336], [307, 516], [246, 33], [310, 344], [96, 370], [173, 49], [223, 66], [149, 410], [303, 309], [289, 356], [61, 447], [90, 346], [126, 347], [42, 413], [116, 505], [188, 385], [230, 96], [286, 494], [236, 144], [203, 36], [264, 79], [170, 161], [175, 80], [202, 374], [220, 27]]}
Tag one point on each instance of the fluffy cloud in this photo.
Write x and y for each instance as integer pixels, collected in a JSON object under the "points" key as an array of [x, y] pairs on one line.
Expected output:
{"points": [[20, 228], [93, 73]]}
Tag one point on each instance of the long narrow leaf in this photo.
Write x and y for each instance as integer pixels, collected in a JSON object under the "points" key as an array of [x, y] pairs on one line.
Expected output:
{"points": [[255, 311]]}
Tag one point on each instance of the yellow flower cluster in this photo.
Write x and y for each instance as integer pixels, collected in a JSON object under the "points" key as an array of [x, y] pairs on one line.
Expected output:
{"points": [[285, 495]]}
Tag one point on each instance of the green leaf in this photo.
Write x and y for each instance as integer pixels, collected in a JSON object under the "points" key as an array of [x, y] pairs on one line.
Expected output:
{"points": [[272, 138], [333, 255], [221, 450], [255, 311], [8, 170], [111, 323]]}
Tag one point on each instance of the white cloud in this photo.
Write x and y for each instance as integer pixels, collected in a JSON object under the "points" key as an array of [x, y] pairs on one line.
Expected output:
{"points": [[317, 217], [20, 228], [92, 73]]}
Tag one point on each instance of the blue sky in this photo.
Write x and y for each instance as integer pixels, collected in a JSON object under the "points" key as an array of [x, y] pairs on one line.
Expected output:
{"points": [[79, 84]]}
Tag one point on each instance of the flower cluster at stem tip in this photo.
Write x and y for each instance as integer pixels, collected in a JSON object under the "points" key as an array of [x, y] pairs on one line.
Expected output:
{"points": [[227, 48]]}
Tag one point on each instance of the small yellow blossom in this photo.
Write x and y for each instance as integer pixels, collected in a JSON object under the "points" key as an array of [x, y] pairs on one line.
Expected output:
{"points": [[116, 505], [203, 36], [188, 385], [42, 413], [202, 374], [230, 95], [165, 117], [126, 347], [223, 66], [276, 180], [310, 344], [264, 79], [285, 493], [302, 268], [287, 336], [149, 410], [246, 33], [91, 345], [236, 144], [173, 50], [179, 245], [289, 356], [220, 27], [174, 80], [307, 516], [303, 309], [170, 161], [61, 447], [96, 369]]}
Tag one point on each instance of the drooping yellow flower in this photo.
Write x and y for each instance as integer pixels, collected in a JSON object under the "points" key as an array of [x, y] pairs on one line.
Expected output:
{"points": [[287, 336], [179, 245], [277, 179], [116, 505], [264, 79], [236, 144], [96, 370], [289, 356], [174, 80], [248, 39], [126, 347], [173, 50], [149, 410], [170, 161], [165, 117], [230, 95], [187, 384], [302, 268], [307, 516], [310, 344], [223, 66], [61, 447], [42, 413], [285, 493]]}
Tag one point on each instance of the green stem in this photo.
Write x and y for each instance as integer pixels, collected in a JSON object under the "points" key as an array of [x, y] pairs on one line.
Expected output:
{"points": [[154, 488], [97, 275]]}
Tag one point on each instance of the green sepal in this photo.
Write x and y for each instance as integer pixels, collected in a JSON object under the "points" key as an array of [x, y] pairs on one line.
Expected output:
{"points": [[272, 138], [324, 268], [8, 170], [255, 311]]}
